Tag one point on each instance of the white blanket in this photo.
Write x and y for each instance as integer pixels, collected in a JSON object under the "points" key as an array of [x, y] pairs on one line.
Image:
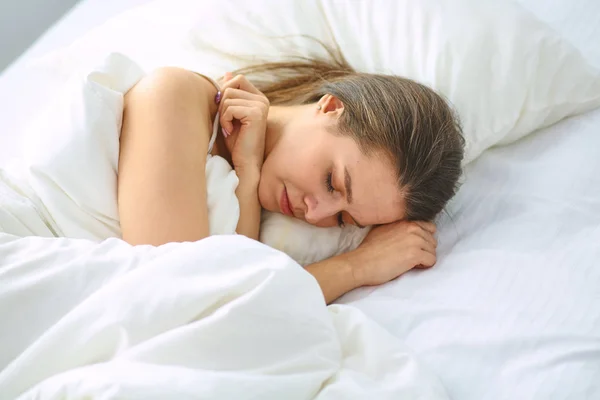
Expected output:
{"points": [[223, 318]]}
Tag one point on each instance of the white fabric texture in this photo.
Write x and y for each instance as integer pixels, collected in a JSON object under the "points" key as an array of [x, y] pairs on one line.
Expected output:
{"points": [[506, 72], [577, 21], [304, 242], [223, 318]]}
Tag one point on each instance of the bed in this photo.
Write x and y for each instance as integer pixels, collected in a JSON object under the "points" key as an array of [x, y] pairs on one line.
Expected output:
{"points": [[512, 310]]}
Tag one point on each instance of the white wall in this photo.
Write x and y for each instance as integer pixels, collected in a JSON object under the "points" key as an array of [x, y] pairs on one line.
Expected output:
{"points": [[23, 21]]}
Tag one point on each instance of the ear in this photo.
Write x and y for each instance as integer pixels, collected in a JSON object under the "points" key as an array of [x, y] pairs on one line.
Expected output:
{"points": [[330, 104]]}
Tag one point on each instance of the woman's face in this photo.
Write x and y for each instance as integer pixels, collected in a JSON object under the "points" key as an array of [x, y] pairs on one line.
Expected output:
{"points": [[324, 178]]}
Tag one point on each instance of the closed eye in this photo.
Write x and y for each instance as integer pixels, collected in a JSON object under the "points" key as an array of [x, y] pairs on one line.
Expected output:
{"points": [[329, 182], [340, 220]]}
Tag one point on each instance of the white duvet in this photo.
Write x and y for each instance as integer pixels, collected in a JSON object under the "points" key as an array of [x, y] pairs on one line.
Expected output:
{"points": [[222, 318]]}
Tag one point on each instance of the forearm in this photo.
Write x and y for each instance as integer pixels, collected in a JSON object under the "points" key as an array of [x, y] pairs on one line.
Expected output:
{"points": [[250, 210], [336, 276]]}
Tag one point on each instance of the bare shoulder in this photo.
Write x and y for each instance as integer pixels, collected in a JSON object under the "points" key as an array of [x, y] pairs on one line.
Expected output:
{"points": [[170, 108], [170, 104], [172, 85]]}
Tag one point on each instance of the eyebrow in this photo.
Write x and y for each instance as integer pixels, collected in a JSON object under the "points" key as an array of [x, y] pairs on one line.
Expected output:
{"points": [[348, 187]]}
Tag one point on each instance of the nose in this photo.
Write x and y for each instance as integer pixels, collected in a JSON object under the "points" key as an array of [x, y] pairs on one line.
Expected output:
{"points": [[319, 209]]}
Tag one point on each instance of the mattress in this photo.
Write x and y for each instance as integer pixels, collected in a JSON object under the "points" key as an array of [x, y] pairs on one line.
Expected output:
{"points": [[512, 310]]}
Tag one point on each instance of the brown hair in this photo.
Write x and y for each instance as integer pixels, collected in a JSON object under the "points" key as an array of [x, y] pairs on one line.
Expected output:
{"points": [[408, 121]]}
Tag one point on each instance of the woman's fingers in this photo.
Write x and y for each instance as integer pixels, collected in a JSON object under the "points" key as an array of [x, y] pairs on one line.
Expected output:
{"points": [[229, 113], [226, 77], [240, 94], [426, 260], [241, 110], [231, 93], [419, 242], [425, 233], [239, 82], [237, 91], [426, 236], [428, 247], [259, 105], [428, 226]]}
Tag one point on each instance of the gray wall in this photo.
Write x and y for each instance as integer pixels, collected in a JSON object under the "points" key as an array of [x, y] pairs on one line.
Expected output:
{"points": [[23, 21]]}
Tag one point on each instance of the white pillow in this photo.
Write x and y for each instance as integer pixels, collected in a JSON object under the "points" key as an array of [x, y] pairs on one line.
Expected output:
{"points": [[507, 73], [576, 20], [306, 243], [208, 36]]}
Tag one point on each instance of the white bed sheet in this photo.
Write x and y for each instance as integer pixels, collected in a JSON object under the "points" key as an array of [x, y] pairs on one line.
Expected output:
{"points": [[22, 92]]}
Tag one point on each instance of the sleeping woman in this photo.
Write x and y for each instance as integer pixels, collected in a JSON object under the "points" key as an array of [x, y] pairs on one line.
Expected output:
{"points": [[317, 141]]}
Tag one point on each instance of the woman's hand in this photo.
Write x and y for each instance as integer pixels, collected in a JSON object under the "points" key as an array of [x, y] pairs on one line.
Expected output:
{"points": [[390, 250], [387, 252], [243, 119]]}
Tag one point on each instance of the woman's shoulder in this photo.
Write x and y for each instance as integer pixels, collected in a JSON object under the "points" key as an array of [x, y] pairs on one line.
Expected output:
{"points": [[169, 84], [170, 104]]}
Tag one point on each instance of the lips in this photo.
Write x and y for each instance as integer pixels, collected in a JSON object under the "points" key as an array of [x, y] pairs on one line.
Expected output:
{"points": [[284, 204]]}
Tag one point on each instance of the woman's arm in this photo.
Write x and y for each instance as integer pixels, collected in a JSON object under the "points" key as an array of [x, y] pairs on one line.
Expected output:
{"points": [[387, 252], [164, 144], [247, 194], [336, 276], [244, 111]]}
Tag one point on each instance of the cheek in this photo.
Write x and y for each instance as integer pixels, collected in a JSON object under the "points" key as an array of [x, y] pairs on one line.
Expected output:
{"points": [[288, 162], [278, 168], [267, 186], [295, 163], [273, 168]]}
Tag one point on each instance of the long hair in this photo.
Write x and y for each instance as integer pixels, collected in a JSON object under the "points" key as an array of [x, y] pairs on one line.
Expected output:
{"points": [[408, 121]]}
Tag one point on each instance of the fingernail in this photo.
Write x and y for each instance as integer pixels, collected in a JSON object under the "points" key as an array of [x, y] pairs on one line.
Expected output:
{"points": [[225, 132], [218, 97]]}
